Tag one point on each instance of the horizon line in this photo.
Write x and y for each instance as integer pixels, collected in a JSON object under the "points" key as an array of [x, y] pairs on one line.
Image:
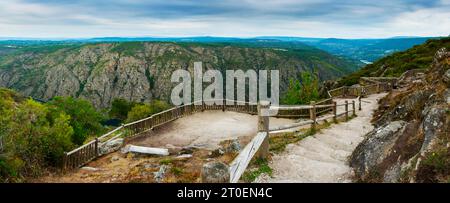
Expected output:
{"points": [[3, 38]]}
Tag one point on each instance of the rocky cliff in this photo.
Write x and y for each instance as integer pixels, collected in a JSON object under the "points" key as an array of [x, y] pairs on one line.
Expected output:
{"points": [[140, 71], [411, 139]]}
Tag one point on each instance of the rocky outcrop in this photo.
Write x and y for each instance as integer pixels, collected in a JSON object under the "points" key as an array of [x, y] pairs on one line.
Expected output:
{"points": [[411, 141], [373, 150], [111, 146], [141, 71], [215, 172]]}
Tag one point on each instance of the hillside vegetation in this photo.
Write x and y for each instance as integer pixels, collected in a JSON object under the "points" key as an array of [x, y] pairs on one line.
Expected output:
{"points": [[35, 135], [411, 139], [417, 57], [140, 71]]}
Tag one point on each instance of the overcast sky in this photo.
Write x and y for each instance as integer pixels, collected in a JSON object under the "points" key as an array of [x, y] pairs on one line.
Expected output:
{"points": [[238, 18]]}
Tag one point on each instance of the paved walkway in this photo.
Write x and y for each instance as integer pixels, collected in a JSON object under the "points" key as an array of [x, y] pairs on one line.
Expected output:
{"points": [[323, 157]]}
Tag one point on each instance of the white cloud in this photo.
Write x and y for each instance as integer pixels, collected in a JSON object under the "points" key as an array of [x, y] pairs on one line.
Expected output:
{"points": [[282, 18]]}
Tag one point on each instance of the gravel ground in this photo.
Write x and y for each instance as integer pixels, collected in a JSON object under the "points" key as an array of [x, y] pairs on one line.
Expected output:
{"points": [[206, 129]]}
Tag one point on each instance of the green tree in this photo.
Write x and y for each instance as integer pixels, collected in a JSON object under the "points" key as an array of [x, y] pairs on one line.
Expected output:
{"points": [[120, 108], [302, 91], [141, 111], [34, 140], [84, 118], [138, 112]]}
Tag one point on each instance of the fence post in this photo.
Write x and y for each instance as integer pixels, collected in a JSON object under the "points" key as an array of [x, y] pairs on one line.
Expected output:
{"points": [[353, 107], [96, 147], [334, 111], [312, 114], [263, 126], [378, 87], [223, 105], [359, 100], [346, 110], [64, 162]]}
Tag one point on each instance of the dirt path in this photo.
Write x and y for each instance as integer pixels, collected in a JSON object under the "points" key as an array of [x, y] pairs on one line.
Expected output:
{"points": [[323, 157]]}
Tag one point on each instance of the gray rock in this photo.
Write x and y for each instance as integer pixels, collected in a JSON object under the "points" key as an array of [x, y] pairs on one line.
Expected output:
{"points": [[376, 147], [216, 153], [215, 172], [115, 158], [234, 146], [440, 54], [392, 175], [159, 175], [446, 77], [111, 146], [432, 125], [447, 96]]}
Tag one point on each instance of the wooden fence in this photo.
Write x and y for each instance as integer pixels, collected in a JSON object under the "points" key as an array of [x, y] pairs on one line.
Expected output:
{"points": [[89, 151], [373, 86]]}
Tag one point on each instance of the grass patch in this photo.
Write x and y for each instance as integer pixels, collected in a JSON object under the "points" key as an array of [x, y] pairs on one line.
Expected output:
{"points": [[279, 142], [261, 166], [176, 171], [166, 161]]}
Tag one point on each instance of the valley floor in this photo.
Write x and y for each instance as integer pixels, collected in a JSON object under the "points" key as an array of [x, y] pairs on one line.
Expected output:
{"points": [[324, 156]]}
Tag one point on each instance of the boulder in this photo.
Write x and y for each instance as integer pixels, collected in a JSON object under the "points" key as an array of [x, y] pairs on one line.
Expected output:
{"points": [[447, 96], [376, 147], [159, 175], [215, 172], [432, 125], [233, 147], [216, 153], [446, 77], [110, 146], [441, 54], [392, 175]]}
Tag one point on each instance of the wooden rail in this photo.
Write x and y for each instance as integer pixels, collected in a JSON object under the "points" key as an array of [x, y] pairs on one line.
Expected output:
{"points": [[240, 163], [373, 87], [89, 151]]}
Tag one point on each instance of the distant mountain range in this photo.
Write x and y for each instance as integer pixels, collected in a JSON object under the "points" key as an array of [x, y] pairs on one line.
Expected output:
{"points": [[362, 51], [140, 71]]}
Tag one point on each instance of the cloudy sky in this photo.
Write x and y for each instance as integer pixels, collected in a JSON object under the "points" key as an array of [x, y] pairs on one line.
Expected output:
{"points": [[239, 18]]}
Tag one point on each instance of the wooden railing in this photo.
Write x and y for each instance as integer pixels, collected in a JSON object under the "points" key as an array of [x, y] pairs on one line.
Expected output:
{"points": [[80, 155], [89, 151], [374, 86]]}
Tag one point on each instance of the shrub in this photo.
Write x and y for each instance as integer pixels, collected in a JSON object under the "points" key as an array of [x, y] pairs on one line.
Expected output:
{"points": [[302, 91], [141, 111], [35, 139], [84, 118], [120, 108]]}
